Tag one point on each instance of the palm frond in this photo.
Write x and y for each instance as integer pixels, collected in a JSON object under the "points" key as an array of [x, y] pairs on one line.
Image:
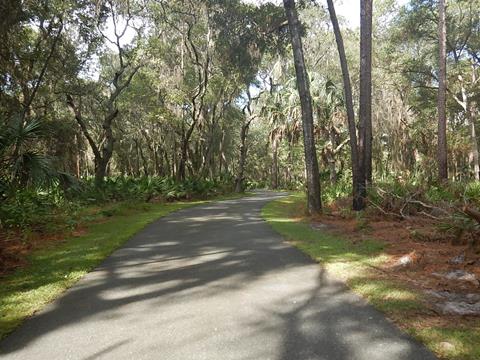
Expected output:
{"points": [[33, 168]]}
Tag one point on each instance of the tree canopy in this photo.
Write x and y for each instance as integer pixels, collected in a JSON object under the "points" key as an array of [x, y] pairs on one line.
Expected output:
{"points": [[206, 89]]}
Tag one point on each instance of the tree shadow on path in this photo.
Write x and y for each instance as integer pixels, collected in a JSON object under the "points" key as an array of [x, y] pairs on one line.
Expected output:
{"points": [[216, 260]]}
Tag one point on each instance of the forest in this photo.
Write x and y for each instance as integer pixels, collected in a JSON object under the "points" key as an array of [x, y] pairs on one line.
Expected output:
{"points": [[111, 109]]}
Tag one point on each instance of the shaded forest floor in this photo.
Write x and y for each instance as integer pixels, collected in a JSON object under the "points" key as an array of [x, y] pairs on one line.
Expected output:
{"points": [[436, 267], [430, 289], [16, 245]]}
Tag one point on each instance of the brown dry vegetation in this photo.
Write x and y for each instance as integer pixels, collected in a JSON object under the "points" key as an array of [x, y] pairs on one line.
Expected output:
{"points": [[429, 257]]}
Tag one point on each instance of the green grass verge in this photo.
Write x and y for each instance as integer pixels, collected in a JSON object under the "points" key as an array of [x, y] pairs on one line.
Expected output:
{"points": [[354, 263], [53, 269]]}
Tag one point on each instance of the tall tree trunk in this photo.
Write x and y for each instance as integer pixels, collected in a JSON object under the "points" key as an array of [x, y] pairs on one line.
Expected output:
{"points": [[78, 156], [442, 89], [137, 158], [239, 181], [358, 200], [274, 163], [181, 173], [142, 156], [288, 170], [182, 165], [156, 160], [365, 110], [100, 171], [107, 150], [472, 111], [102, 156], [314, 201], [221, 154]]}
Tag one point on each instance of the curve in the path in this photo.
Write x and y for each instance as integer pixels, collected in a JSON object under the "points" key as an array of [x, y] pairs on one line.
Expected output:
{"points": [[210, 282]]}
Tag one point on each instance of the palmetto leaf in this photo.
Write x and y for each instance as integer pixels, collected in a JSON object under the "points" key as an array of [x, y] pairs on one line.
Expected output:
{"points": [[29, 131], [21, 164], [34, 168]]}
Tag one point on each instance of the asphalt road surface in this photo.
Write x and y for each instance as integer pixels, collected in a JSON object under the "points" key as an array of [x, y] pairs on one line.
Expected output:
{"points": [[210, 282]]}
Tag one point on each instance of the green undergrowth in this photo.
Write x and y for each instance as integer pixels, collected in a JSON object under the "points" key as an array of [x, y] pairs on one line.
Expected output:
{"points": [[50, 209], [356, 263], [56, 267]]}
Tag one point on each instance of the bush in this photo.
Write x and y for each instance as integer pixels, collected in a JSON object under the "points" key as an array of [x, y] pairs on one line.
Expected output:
{"points": [[253, 185], [472, 193], [44, 209], [31, 208], [147, 188], [341, 189]]}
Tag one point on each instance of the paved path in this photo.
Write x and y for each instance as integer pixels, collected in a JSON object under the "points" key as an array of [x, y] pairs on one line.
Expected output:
{"points": [[210, 282]]}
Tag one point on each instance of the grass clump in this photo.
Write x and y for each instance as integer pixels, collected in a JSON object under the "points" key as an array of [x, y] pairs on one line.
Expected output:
{"points": [[465, 341]]}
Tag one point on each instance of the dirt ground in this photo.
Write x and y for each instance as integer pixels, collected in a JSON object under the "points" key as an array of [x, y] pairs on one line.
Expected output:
{"points": [[448, 274], [16, 245]]}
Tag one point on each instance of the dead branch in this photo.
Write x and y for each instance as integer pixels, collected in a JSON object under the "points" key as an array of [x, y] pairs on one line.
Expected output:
{"points": [[430, 206], [472, 213], [385, 212], [430, 215]]}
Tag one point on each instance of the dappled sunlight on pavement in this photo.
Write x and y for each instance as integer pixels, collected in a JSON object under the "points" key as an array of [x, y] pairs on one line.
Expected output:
{"points": [[210, 282]]}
